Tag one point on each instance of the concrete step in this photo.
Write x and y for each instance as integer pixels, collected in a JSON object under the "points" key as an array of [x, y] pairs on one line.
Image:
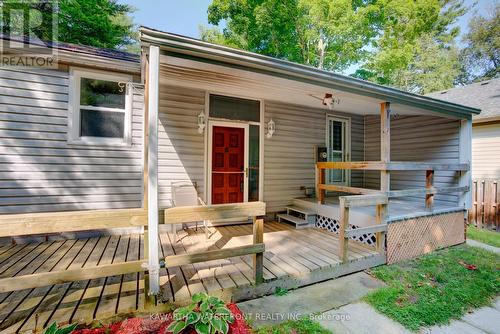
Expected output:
{"points": [[299, 223], [305, 211]]}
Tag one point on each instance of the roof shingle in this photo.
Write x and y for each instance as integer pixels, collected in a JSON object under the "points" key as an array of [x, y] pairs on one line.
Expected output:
{"points": [[484, 95]]}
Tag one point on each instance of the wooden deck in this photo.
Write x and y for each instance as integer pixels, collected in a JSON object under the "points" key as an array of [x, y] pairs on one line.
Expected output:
{"points": [[293, 258]]}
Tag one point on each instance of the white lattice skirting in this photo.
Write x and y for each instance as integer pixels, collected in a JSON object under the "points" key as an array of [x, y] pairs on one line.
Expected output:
{"points": [[332, 225]]}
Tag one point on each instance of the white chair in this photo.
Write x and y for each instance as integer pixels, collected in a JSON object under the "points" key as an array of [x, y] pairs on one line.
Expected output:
{"points": [[185, 194]]}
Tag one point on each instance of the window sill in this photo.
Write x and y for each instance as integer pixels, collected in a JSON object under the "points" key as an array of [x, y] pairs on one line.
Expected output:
{"points": [[104, 142]]}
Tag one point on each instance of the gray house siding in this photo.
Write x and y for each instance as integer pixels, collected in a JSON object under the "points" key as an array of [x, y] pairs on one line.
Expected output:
{"points": [[40, 171], [181, 149], [289, 154], [415, 138], [486, 151]]}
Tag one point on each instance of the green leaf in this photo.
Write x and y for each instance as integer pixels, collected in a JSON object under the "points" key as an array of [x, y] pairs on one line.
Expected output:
{"points": [[176, 327], [204, 307], [181, 313], [205, 317], [170, 328], [223, 312], [199, 297], [219, 324], [192, 317], [215, 301], [67, 329], [202, 328], [51, 329], [225, 328]]}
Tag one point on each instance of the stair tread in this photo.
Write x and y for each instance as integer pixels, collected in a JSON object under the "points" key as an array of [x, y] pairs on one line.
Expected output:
{"points": [[293, 219], [301, 209]]}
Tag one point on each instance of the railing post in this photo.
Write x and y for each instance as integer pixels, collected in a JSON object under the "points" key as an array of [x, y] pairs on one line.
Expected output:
{"points": [[381, 217], [320, 193], [344, 223], [429, 182], [258, 258]]}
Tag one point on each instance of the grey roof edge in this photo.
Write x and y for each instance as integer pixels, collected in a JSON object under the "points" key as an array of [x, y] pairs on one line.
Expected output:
{"points": [[76, 48], [249, 60]]}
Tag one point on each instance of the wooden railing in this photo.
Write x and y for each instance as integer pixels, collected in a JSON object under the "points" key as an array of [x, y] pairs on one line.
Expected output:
{"points": [[485, 211], [70, 221], [257, 210], [39, 223], [379, 198]]}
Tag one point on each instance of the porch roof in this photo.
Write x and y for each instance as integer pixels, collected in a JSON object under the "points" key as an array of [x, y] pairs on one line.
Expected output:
{"points": [[190, 48]]}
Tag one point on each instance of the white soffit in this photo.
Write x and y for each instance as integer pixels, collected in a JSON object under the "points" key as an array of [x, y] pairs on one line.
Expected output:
{"points": [[214, 78]]}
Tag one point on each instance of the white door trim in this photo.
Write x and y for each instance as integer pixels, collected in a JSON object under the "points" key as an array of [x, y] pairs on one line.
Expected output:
{"points": [[346, 154], [245, 126]]}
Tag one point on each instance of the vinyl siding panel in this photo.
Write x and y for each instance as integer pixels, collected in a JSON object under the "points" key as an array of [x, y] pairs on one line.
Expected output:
{"points": [[486, 151], [40, 171], [289, 155], [415, 138], [181, 149]]}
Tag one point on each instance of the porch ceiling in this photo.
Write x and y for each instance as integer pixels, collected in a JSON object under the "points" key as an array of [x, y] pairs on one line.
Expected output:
{"points": [[232, 81]]}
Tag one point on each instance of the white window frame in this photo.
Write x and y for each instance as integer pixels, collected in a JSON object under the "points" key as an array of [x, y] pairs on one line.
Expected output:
{"points": [[74, 108], [346, 143]]}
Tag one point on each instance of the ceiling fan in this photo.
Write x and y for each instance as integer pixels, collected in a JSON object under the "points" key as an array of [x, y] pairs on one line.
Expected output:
{"points": [[327, 100]]}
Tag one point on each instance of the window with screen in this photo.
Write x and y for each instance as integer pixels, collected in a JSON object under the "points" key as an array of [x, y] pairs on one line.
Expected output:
{"points": [[100, 110], [234, 108]]}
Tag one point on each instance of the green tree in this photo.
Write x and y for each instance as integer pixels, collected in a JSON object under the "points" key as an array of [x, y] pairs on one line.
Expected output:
{"points": [[323, 33], [99, 23], [481, 55], [415, 49], [409, 44]]}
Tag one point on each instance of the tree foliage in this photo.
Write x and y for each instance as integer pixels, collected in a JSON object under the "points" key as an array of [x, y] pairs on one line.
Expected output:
{"points": [[416, 48], [481, 54], [409, 44], [99, 23], [323, 33]]}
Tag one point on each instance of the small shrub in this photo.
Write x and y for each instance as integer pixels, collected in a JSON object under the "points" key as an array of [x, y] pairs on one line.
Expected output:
{"points": [[206, 314], [279, 291], [54, 329]]}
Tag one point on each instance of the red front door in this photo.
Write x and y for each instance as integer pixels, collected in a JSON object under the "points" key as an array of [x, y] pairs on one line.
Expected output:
{"points": [[228, 164]]}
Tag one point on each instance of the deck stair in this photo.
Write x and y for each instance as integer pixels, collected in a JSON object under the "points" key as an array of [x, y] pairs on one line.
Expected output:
{"points": [[300, 216]]}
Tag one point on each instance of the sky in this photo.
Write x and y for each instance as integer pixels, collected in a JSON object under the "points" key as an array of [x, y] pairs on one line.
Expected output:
{"points": [[182, 17]]}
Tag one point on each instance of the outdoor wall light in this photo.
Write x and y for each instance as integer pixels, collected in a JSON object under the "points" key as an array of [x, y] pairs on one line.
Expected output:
{"points": [[271, 128], [201, 122]]}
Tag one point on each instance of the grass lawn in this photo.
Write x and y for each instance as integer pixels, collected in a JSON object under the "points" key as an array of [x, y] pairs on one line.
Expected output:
{"points": [[437, 287], [302, 326], [484, 236]]}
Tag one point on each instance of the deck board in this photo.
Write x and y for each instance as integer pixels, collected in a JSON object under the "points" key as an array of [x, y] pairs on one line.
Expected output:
{"points": [[290, 253]]}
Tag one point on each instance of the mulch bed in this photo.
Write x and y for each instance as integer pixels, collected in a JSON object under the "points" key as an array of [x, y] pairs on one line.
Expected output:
{"points": [[154, 325]]}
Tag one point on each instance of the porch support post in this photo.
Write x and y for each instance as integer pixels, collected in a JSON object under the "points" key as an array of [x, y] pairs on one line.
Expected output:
{"points": [[385, 144], [152, 168], [385, 176], [465, 145]]}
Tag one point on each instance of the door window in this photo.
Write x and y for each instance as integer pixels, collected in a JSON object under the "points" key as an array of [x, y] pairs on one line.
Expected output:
{"points": [[338, 148]]}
